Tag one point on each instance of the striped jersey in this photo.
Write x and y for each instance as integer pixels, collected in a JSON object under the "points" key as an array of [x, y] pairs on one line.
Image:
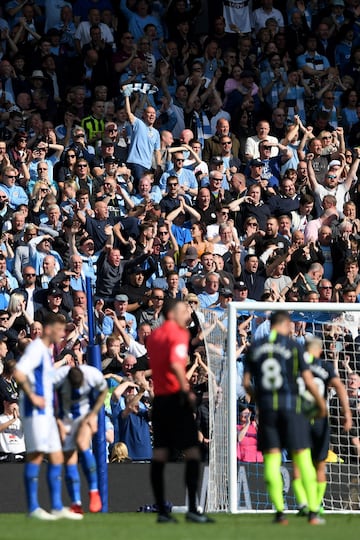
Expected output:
{"points": [[76, 402], [37, 364]]}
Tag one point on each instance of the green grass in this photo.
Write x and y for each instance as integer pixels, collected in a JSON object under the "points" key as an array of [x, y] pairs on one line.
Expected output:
{"points": [[143, 526]]}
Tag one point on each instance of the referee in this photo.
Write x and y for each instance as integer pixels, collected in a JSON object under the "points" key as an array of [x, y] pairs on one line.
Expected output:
{"points": [[173, 420], [274, 364]]}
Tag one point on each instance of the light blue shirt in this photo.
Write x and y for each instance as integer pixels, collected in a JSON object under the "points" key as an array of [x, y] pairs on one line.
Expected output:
{"points": [[144, 141], [185, 176], [206, 299], [108, 325], [33, 171], [137, 23], [17, 196]]}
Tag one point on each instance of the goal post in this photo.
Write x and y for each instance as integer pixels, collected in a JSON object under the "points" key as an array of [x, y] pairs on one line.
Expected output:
{"points": [[226, 474]]}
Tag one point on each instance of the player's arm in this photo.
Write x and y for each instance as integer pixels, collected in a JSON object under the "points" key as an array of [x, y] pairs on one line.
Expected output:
{"points": [[91, 417], [99, 402], [311, 386], [336, 383], [179, 372], [23, 381]]}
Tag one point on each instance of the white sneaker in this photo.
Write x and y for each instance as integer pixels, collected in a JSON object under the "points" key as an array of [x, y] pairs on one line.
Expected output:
{"points": [[66, 513], [42, 515]]}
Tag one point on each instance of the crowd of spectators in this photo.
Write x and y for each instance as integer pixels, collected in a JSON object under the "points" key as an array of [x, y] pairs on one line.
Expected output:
{"points": [[205, 151]]}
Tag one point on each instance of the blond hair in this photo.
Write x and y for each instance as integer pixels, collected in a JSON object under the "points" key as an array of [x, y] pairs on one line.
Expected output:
{"points": [[119, 453]]}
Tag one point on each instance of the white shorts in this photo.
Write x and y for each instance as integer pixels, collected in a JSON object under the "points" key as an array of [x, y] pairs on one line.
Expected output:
{"points": [[72, 428], [41, 434]]}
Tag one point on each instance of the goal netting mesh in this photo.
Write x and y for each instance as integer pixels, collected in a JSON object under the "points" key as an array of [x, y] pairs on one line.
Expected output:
{"points": [[236, 484]]}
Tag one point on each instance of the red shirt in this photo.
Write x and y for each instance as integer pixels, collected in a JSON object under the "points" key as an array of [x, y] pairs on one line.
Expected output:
{"points": [[167, 345]]}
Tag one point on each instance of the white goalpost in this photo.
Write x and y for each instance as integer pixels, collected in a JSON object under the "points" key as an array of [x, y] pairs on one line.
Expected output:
{"points": [[235, 486]]}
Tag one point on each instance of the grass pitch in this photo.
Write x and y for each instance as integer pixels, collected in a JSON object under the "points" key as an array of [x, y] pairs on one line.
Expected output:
{"points": [[143, 526]]}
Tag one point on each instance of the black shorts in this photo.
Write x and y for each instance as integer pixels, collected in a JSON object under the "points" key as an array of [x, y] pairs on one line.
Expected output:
{"points": [[320, 439], [173, 422], [283, 429]]}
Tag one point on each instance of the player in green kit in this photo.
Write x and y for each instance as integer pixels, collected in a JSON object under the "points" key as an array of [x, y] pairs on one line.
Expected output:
{"points": [[272, 367], [324, 377]]}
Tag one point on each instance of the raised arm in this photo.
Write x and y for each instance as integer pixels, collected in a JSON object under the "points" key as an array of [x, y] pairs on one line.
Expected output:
{"points": [[129, 113], [312, 178], [351, 177]]}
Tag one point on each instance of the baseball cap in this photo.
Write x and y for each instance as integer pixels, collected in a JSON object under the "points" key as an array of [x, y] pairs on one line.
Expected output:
{"points": [[121, 298], [225, 292], [191, 254], [107, 142], [55, 291], [110, 159], [241, 286], [137, 270], [216, 160], [334, 163], [37, 74], [61, 276], [256, 163]]}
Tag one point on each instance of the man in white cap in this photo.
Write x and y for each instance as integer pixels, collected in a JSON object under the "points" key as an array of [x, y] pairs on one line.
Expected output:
{"points": [[331, 181]]}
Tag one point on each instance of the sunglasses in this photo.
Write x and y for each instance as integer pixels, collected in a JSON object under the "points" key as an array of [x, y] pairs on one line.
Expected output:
{"points": [[4, 318], [179, 160], [174, 184], [193, 302], [10, 175], [226, 142], [326, 137], [79, 135], [332, 176], [157, 297], [82, 165], [325, 287], [29, 275]]}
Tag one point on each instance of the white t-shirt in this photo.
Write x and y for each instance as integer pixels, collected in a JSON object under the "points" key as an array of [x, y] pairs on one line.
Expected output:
{"points": [[12, 439], [260, 16], [74, 403], [252, 146], [237, 12], [36, 363], [340, 192], [83, 33]]}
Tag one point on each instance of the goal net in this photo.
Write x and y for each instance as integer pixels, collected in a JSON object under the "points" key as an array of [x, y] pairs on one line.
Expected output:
{"points": [[235, 480]]}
